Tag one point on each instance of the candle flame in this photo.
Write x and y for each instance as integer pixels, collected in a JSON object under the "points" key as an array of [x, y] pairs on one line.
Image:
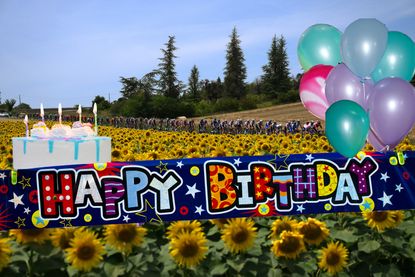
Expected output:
{"points": [[42, 112], [94, 110]]}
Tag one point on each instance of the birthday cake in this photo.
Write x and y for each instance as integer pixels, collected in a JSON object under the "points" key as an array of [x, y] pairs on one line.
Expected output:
{"points": [[60, 145]]}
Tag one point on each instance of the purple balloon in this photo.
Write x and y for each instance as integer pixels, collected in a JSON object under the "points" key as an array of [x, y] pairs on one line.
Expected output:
{"points": [[369, 88], [342, 84], [391, 110], [377, 144]]}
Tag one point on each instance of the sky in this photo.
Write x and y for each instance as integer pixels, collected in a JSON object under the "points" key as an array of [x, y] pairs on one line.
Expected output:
{"points": [[68, 52]]}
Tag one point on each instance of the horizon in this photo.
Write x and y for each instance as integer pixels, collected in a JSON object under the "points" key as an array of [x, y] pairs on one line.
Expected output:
{"points": [[60, 52]]}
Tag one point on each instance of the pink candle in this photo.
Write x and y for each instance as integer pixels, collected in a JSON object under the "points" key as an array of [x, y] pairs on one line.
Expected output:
{"points": [[26, 122]]}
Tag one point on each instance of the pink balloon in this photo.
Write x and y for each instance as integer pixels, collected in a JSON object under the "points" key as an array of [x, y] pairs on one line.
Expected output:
{"points": [[312, 90]]}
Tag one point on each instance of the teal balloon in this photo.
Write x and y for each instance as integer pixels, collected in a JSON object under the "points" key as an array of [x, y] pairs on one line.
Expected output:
{"points": [[319, 44], [347, 127], [398, 59]]}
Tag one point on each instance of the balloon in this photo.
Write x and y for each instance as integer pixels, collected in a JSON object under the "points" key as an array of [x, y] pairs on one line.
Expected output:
{"points": [[312, 90], [377, 144], [363, 45], [347, 126], [398, 60], [391, 110], [368, 87], [342, 84], [319, 44]]}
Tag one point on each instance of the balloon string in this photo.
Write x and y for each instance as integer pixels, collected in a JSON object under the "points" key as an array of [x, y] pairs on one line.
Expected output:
{"points": [[385, 148]]}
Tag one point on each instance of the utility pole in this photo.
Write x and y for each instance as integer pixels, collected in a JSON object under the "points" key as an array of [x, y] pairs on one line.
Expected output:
{"points": [[20, 100], [109, 97], [0, 96]]}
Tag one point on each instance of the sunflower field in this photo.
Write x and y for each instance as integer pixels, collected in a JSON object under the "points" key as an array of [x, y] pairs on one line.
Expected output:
{"points": [[343, 244]]}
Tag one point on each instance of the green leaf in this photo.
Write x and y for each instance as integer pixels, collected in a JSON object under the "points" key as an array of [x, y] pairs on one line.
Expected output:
{"points": [[236, 266], [219, 269], [368, 246], [274, 272], [344, 235]]}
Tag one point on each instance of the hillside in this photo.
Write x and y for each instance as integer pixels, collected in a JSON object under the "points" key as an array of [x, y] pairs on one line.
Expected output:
{"points": [[280, 113]]}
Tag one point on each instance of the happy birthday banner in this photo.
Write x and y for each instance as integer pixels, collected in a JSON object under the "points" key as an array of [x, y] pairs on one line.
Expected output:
{"points": [[208, 188]]}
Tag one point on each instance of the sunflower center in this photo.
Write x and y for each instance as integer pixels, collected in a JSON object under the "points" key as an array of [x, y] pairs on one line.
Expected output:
{"points": [[127, 235], [332, 258], [290, 245], [311, 231], [240, 236], [85, 252], [189, 249], [283, 226], [65, 239], [33, 232], [379, 216]]}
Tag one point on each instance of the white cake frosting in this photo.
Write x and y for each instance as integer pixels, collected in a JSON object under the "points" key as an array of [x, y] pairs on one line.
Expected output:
{"points": [[61, 145]]}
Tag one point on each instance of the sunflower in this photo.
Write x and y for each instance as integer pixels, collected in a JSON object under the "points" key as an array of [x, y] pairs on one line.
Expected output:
{"points": [[61, 237], [124, 237], [280, 225], [380, 220], [333, 258], [239, 234], [398, 217], [220, 222], [30, 235], [5, 251], [290, 245], [188, 248], [178, 227], [314, 231], [85, 251]]}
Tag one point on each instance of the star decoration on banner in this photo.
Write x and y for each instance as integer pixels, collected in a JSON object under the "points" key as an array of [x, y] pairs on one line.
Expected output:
{"points": [[281, 160], [192, 190], [25, 182], [366, 205], [162, 167], [39, 220], [237, 162], [398, 187], [385, 176], [17, 200], [199, 210], [300, 208], [309, 157], [2, 176], [126, 218], [154, 217], [66, 222], [180, 164], [20, 222], [27, 210], [386, 199]]}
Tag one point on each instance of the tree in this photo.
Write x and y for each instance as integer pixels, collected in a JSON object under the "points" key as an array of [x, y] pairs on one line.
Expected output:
{"points": [[212, 90], [130, 86], [235, 69], [276, 75], [168, 82], [102, 103], [9, 104], [194, 84]]}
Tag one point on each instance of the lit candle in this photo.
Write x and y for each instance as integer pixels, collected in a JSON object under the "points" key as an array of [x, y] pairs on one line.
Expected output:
{"points": [[94, 110], [26, 122], [42, 112], [79, 111], [60, 113]]}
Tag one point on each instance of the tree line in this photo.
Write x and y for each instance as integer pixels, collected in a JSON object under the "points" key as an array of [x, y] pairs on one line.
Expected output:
{"points": [[160, 93]]}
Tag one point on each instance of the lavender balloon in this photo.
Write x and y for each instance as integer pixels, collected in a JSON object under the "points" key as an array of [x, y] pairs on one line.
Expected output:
{"points": [[342, 84], [391, 110], [377, 144]]}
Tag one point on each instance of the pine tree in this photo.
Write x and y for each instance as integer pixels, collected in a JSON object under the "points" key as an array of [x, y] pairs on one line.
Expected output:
{"points": [[169, 85], [235, 69], [194, 84], [276, 75]]}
